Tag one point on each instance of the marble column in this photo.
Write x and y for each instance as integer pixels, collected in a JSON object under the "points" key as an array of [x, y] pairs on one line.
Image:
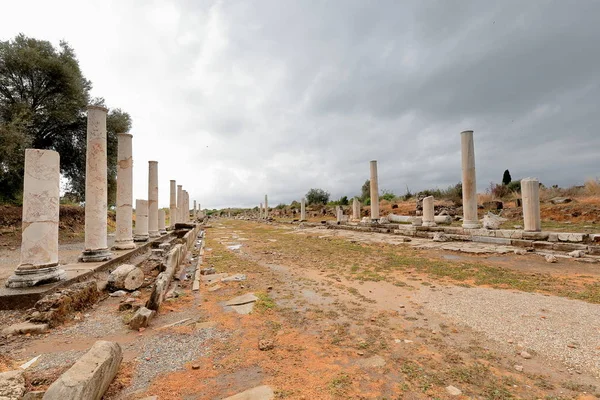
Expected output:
{"points": [[266, 207], [187, 206], [303, 209], [124, 233], [374, 192], [96, 191], [153, 199], [530, 190], [428, 211], [339, 214], [260, 211], [39, 236], [195, 213], [355, 209], [173, 204], [469, 184], [162, 227], [140, 234], [179, 203]]}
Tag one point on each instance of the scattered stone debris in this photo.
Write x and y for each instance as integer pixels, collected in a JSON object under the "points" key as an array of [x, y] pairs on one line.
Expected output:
{"points": [[520, 252], [519, 368], [577, 253], [118, 293], [266, 344], [56, 307], [525, 355], [257, 393], [208, 271], [141, 318], [12, 385], [126, 276], [243, 299], [439, 237], [24, 328], [551, 258], [234, 278], [492, 221], [453, 391]]}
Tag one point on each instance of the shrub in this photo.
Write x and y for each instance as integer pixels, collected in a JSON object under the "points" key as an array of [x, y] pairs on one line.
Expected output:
{"points": [[317, 196], [514, 186], [388, 195]]}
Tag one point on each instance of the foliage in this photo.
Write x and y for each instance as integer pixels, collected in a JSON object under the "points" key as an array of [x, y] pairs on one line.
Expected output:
{"points": [[43, 96], [407, 195], [515, 186], [317, 196], [365, 191], [280, 206], [343, 201], [388, 195], [506, 179], [452, 193]]}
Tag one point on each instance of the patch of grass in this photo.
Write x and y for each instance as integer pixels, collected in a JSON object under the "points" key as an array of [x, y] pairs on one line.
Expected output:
{"points": [[340, 384], [473, 374], [264, 302], [578, 387]]}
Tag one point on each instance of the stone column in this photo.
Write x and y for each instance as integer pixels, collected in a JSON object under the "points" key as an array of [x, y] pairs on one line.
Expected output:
{"points": [[173, 204], [469, 184], [140, 234], [303, 209], [530, 190], [124, 233], [428, 212], [355, 209], [186, 198], [179, 203], [162, 227], [153, 199], [96, 191], [195, 213], [39, 236], [266, 207], [339, 214], [260, 211], [374, 192]]}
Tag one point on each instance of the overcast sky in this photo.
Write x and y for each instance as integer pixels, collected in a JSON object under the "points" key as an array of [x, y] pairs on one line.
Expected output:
{"points": [[236, 99]]}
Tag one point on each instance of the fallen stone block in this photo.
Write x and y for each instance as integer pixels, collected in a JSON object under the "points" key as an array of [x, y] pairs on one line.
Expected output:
{"points": [[258, 393], [440, 237], [214, 277], [12, 385], [141, 318], [243, 299], [234, 278], [36, 395], [126, 276], [90, 376], [24, 328], [577, 253], [244, 309]]}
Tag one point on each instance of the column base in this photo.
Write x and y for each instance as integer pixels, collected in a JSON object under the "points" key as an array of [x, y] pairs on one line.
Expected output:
{"points": [[429, 224], [95, 255], [153, 234], [33, 277], [163, 232], [140, 238], [124, 245], [471, 225]]}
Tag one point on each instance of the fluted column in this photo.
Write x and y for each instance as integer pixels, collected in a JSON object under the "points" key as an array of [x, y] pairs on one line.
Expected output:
{"points": [[530, 190], [39, 235], [162, 227], [140, 234], [124, 234], [374, 192], [173, 204], [96, 191], [428, 211], [469, 184], [303, 209], [153, 199], [179, 203]]}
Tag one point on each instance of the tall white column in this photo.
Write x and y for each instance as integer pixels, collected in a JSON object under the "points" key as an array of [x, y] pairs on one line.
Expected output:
{"points": [[172, 204], [153, 199], [428, 211], [39, 236], [96, 191], [530, 190], [266, 207], [162, 227], [124, 233], [355, 209], [339, 214], [140, 234], [469, 184], [303, 209], [374, 192], [195, 213], [260, 211], [179, 203]]}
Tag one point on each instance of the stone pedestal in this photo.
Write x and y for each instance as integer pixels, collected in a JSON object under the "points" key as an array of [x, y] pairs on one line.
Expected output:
{"points": [[172, 204], [530, 190], [266, 207], [124, 233], [140, 234], [39, 237], [153, 199], [469, 184], [428, 212], [179, 203], [162, 227], [96, 191], [303, 209], [355, 209], [374, 192]]}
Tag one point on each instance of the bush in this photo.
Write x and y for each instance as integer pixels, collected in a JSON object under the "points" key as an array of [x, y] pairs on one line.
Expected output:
{"points": [[317, 196], [514, 186], [388, 195]]}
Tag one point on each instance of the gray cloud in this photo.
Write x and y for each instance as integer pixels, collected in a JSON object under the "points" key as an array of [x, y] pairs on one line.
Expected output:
{"points": [[238, 99]]}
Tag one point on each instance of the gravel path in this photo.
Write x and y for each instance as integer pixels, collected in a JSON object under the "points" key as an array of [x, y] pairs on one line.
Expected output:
{"points": [[554, 327]]}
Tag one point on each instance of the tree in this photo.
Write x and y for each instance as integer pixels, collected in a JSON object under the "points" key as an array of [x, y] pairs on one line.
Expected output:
{"points": [[365, 191], [343, 201], [43, 96], [317, 196], [506, 178], [388, 195]]}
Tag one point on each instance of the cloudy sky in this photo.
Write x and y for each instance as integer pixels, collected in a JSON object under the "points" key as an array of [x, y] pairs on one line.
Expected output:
{"points": [[240, 98]]}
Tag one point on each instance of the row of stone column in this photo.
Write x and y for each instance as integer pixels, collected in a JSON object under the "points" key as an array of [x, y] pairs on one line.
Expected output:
{"points": [[41, 200]]}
